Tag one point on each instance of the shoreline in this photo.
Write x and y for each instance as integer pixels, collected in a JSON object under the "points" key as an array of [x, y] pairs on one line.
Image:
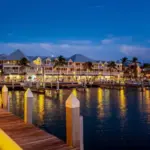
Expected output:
{"points": [[67, 85]]}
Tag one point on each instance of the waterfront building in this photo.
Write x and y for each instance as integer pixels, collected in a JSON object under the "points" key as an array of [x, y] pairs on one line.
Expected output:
{"points": [[43, 68]]}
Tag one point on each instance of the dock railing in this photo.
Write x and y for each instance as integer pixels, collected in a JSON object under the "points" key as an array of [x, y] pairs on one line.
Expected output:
{"points": [[74, 122]]}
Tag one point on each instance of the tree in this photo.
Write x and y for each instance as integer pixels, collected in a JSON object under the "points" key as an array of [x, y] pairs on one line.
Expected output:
{"points": [[124, 61], [59, 62], [23, 61], [146, 66], [111, 66], [134, 64], [130, 71], [88, 66]]}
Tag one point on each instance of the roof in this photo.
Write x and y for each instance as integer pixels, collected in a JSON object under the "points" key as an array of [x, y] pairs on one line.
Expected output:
{"points": [[45, 58], [31, 58], [118, 61], [17, 55], [42, 57], [80, 58], [3, 57]]}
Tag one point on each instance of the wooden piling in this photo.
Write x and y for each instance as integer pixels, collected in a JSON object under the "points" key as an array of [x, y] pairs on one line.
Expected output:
{"points": [[81, 134], [8, 106], [13, 86], [73, 121], [30, 84], [57, 85], [5, 97], [44, 85], [37, 85], [28, 105], [51, 84]]}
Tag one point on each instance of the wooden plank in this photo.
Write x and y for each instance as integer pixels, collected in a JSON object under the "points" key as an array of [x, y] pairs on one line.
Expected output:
{"points": [[28, 136]]}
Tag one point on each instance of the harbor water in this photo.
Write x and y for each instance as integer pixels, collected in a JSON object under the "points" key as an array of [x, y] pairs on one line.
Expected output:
{"points": [[113, 119]]}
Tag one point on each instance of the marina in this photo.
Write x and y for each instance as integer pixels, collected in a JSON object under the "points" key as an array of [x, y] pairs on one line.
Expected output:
{"points": [[107, 113], [27, 136]]}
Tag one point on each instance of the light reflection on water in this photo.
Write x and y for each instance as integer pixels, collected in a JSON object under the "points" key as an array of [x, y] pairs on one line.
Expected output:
{"points": [[122, 103], [117, 117]]}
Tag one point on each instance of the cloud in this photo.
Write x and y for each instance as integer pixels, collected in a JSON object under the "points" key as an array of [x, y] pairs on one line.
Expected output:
{"points": [[66, 49], [78, 42], [111, 48], [116, 40], [46, 46], [107, 41], [135, 50]]}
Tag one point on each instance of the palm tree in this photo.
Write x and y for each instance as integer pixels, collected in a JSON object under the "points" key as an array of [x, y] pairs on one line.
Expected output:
{"points": [[134, 62], [59, 62], [23, 61], [146, 66], [111, 66], [88, 66], [130, 71], [124, 61]]}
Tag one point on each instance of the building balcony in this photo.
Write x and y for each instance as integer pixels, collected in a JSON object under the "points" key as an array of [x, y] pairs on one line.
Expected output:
{"points": [[70, 66], [70, 73], [9, 71], [63, 72], [78, 66], [111, 73]]}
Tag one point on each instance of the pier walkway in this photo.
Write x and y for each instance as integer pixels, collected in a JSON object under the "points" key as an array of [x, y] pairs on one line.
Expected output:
{"points": [[27, 136]]}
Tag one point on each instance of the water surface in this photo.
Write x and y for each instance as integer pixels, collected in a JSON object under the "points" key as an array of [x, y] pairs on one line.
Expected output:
{"points": [[113, 119]]}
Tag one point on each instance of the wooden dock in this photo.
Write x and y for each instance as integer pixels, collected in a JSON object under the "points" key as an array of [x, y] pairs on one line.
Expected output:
{"points": [[27, 136]]}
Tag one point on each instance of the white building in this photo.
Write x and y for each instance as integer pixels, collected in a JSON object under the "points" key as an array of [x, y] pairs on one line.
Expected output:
{"points": [[42, 68]]}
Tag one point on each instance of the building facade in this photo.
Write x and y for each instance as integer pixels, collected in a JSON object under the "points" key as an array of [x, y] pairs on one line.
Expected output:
{"points": [[43, 69]]}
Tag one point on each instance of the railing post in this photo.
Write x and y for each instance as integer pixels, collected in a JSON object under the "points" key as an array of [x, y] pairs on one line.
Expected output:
{"points": [[57, 86], [8, 106], [44, 85], [81, 134], [37, 85], [74, 127], [13, 86], [30, 84], [51, 84], [28, 105], [5, 97]]}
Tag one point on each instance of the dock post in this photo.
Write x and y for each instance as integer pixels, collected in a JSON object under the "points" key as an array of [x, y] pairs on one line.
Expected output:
{"points": [[28, 105], [44, 85], [57, 85], [5, 97], [13, 86], [37, 85], [51, 84], [8, 107], [74, 127], [142, 87], [81, 133], [30, 84]]}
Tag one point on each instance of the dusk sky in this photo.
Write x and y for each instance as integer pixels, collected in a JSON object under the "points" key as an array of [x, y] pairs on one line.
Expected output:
{"points": [[99, 29]]}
